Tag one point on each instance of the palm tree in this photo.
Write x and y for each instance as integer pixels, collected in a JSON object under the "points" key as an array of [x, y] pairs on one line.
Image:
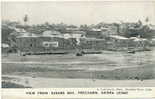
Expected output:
{"points": [[25, 19]]}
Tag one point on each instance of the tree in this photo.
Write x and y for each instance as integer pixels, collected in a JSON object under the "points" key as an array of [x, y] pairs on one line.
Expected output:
{"points": [[147, 19], [140, 23], [6, 31], [25, 19]]}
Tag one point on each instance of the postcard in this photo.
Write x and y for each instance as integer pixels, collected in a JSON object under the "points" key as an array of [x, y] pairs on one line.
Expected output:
{"points": [[78, 49]]}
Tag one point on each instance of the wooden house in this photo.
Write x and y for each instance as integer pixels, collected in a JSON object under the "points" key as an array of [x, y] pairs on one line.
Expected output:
{"points": [[44, 44]]}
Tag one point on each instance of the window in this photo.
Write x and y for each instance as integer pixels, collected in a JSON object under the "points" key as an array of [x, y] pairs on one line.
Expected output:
{"points": [[50, 44]]}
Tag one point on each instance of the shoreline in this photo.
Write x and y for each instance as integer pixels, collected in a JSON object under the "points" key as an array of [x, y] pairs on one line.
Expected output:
{"points": [[40, 82]]}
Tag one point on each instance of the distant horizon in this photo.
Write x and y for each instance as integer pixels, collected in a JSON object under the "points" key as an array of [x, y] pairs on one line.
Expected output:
{"points": [[78, 13], [75, 24]]}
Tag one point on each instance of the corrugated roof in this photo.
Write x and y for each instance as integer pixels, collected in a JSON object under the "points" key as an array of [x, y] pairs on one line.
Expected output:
{"points": [[27, 34], [118, 37], [138, 39], [51, 33]]}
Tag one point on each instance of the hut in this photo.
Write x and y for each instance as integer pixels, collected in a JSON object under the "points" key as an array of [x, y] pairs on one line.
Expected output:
{"points": [[92, 43], [117, 43], [94, 33], [120, 43]]}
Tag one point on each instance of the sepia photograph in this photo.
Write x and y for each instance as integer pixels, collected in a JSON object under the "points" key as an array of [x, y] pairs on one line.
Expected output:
{"points": [[80, 44]]}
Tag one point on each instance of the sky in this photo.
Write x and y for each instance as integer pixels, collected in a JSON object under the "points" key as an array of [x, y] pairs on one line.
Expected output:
{"points": [[77, 13]]}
